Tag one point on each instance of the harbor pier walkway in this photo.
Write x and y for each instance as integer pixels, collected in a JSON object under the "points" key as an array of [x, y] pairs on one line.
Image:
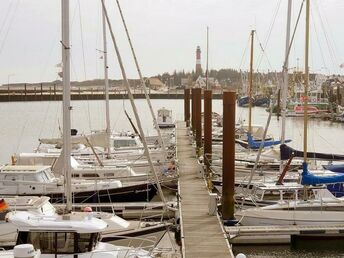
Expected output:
{"points": [[202, 234]]}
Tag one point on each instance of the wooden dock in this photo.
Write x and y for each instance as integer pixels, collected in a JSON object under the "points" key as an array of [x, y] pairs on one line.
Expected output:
{"points": [[202, 234]]}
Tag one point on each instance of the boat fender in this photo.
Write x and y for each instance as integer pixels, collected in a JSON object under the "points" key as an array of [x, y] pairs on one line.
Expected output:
{"points": [[87, 209], [230, 222], [177, 233]]}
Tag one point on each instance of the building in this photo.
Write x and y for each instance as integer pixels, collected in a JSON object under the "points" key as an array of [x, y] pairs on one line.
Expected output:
{"points": [[155, 84]]}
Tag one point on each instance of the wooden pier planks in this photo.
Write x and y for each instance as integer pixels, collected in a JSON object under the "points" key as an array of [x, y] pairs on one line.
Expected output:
{"points": [[202, 233]]}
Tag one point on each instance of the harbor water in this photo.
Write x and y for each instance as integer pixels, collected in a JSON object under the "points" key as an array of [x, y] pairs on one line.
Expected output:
{"points": [[23, 123]]}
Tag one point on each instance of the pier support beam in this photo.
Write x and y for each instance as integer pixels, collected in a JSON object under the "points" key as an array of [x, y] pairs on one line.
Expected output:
{"points": [[193, 110], [207, 127], [228, 152], [25, 91], [198, 120], [187, 106]]}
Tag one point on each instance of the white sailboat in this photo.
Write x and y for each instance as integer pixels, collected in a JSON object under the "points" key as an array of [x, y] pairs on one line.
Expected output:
{"points": [[322, 209], [72, 233]]}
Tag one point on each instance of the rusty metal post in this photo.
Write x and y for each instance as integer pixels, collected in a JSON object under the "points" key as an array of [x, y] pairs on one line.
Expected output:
{"points": [[187, 107], [54, 91], [198, 120], [25, 91], [193, 110], [228, 152], [207, 127]]}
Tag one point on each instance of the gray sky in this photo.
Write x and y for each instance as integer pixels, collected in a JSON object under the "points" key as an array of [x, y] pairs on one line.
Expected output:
{"points": [[165, 34]]}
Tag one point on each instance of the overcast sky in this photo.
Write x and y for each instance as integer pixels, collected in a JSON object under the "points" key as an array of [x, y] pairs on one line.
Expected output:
{"points": [[165, 34]]}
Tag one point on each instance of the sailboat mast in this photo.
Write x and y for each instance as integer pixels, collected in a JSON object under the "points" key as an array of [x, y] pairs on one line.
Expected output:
{"points": [[250, 88], [106, 80], [131, 98], [143, 84], [285, 74], [66, 102], [306, 83]]}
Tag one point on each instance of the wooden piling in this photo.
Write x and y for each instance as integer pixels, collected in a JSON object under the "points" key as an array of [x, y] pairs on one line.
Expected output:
{"points": [[193, 110], [54, 91], [41, 91], [228, 153], [25, 91], [198, 119], [187, 107], [207, 127]]}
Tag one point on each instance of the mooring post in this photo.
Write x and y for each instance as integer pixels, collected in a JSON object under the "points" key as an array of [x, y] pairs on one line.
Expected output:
{"points": [[193, 110], [41, 91], [228, 155], [198, 120], [187, 106], [54, 91], [207, 124], [25, 91]]}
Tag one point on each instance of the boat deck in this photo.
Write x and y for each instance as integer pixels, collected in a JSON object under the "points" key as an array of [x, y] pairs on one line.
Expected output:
{"points": [[202, 234]]}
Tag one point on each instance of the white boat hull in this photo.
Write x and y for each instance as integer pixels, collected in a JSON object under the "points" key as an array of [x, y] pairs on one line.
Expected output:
{"points": [[259, 217]]}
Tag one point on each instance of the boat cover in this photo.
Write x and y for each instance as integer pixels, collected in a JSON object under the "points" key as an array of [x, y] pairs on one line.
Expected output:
{"points": [[287, 151], [311, 179], [256, 144], [338, 168]]}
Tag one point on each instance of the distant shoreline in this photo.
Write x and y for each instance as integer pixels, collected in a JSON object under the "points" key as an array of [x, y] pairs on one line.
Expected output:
{"points": [[35, 95]]}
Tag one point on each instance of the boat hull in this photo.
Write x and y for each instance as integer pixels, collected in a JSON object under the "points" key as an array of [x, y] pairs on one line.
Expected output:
{"points": [[271, 217], [134, 193]]}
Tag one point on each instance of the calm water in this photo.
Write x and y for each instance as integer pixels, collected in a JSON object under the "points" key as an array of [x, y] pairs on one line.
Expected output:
{"points": [[23, 123]]}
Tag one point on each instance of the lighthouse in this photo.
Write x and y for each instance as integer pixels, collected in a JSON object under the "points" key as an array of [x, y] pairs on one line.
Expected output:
{"points": [[198, 61]]}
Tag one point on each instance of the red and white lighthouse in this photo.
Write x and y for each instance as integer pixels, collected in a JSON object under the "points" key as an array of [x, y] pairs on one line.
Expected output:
{"points": [[198, 61]]}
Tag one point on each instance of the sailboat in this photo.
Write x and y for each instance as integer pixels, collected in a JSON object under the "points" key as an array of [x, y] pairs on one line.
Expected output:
{"points": [[323, 209], [250, 142], [69, 234]]}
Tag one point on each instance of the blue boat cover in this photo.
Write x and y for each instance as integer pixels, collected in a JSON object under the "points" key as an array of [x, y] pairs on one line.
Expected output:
{"points": [[310, 179], [253, 144], [338, 168]]}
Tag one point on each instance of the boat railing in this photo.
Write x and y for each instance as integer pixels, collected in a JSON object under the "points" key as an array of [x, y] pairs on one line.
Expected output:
{"points": [[147, 243], [130, 252]]}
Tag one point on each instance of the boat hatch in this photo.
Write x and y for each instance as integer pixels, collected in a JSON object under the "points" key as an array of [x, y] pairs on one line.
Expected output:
{"points": [[129, 142]]}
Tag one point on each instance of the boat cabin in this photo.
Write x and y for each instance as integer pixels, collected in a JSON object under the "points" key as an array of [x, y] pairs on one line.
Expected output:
{"points": [[67, 234], [42, 174], [165, 118], [27, 180]]}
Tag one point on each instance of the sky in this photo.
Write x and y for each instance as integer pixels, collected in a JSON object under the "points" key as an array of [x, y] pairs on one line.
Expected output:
{"points": [[165, 34]]}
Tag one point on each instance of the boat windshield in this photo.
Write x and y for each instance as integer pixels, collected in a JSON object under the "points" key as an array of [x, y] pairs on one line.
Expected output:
{"points": [[118, 143], [60, 242]]}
